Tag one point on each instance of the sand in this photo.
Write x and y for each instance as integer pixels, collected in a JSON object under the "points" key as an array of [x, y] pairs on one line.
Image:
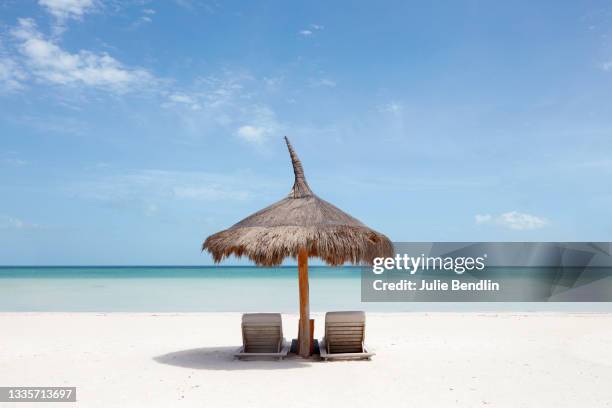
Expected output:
{"points": [[423, 360]]}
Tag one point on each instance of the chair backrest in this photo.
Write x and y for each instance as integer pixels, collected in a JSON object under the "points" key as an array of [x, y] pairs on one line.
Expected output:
{"points": [[344, 332], [262, 332]]}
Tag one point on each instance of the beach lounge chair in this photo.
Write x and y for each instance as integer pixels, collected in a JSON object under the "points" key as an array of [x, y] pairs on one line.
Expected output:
{"points": [[262, 336], [344, 336]]}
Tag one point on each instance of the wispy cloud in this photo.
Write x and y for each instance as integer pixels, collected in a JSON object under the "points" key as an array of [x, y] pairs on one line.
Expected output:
{"points": [[145, 18], [251, 134], [513, 220], [231, 103], [12, 75], [262, 126], [602, 164], [178, 98], [213, 192], [147, 188], [147, 15], [49, 63], [10, 159], [323, 82], [210, 92], [312, 28], [607, 66], [158, 192], [13, 223], [193, 5], [392, 107], [64, 10], [274, 83], [55, 124]]}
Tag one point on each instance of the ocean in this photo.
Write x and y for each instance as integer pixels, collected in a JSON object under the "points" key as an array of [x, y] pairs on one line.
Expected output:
{"points": [[213, 289]]}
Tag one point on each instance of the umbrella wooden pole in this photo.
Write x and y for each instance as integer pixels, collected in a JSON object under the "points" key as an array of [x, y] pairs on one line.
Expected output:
{"points": [[304, 330]]}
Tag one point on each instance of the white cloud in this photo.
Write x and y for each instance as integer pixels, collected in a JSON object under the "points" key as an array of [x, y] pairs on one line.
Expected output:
{"points": [[273, 83], [262, 124], [392, 107], [252, 134], [229, 104], [483, 218], [193, 5], [307, 32], [216, 95], [11, 75], [13, 161], [513, 220], [65, 9], [210, 193], [183, 99], [145, 18], [223, 91], [150, 210], [147, 188], [7, 222], [48, 62], [325, 82], [58, 124], [603, 164], [607, 66]]}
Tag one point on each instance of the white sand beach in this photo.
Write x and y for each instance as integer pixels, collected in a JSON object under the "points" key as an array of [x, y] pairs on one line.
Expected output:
{"points": [[423, 360]]}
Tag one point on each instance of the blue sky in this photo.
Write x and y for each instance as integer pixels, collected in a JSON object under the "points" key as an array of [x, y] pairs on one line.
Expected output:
{"points": [[131, 130]]}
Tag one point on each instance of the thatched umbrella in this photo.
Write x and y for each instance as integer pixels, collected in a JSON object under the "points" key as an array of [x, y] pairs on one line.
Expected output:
{"points": [[301, 225]]}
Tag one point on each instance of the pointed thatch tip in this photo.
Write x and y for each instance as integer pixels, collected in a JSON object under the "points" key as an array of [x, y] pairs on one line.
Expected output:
{"points": [[302, 220], [300, 186]]}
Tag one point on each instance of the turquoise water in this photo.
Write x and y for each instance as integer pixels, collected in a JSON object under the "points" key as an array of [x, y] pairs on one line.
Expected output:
{"points": [[210, 289], [169, 289]]}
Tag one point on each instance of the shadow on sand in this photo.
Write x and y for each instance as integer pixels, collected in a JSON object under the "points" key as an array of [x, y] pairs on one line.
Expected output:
{"points": [[222, 358]]}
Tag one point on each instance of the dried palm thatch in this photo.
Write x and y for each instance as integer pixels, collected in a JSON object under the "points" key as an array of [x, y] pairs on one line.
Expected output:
{"points": [[301, 220]]}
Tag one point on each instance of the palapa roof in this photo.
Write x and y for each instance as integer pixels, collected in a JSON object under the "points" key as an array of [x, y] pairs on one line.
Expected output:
{"points": [[300, 220]]}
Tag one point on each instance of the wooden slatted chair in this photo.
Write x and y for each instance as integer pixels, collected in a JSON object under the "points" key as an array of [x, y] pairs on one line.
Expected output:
{"points": [[344, 336], [262, 336]]}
